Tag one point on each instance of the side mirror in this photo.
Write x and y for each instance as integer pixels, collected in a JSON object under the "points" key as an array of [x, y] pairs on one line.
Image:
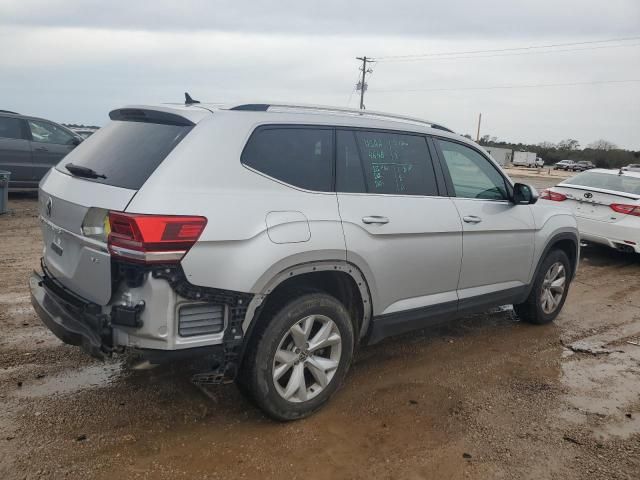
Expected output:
{"points": [[524, 194], [76, 141]]}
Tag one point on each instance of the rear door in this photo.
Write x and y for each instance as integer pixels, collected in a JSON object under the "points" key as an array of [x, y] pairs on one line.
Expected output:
{"points": [[15, 152], [50, 143], [399, 230], [73, 209], [498, 236]]}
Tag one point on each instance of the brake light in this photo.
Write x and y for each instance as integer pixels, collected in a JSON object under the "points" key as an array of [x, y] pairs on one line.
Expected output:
{"points": [[551, 195], [153, 238], [626, 209]]}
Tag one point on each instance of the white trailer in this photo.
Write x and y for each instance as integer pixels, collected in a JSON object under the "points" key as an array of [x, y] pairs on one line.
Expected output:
{"points": [[527, 159], [500, 155]]}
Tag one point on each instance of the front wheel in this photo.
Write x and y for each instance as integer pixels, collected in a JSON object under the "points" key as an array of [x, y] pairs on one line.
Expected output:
{"points": [[299, 357], [549, 291]]}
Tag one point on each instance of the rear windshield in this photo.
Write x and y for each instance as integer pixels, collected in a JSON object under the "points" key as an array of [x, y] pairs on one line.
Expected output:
{"points": [[125, 152], [607, 181]]}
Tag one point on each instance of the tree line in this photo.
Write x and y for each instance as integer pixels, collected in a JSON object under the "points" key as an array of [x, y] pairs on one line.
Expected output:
{"points": [[603, 153]]}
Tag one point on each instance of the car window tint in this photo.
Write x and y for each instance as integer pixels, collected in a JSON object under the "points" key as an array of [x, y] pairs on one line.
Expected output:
{"points": [[349, 172], [44, 132], [10, 128], [127, 153], [302, 157], [392, 163], [473, 176]]}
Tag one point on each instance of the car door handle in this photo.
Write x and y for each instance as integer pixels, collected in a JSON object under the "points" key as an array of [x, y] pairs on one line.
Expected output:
{"points": [[471, 219], [375, 219], [42, 149]]}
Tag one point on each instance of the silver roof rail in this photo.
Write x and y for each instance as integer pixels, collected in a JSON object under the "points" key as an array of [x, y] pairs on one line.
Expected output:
{"points": [[264, 107]]}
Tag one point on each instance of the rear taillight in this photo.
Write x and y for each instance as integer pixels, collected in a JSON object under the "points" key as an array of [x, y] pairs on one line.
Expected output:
{"points": [[551, 195], [626, 209], [153, 238]]}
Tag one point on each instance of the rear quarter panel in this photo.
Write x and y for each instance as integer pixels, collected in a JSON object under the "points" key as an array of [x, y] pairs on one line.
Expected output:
{"points": [[203, 176]]}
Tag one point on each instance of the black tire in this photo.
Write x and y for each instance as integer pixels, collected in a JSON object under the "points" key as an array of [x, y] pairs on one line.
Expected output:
{"points": [[256, 378], [531, 310]]}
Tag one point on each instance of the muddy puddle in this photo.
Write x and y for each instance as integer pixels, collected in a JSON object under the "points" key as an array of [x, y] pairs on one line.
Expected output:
{"points": [[70, 381]]}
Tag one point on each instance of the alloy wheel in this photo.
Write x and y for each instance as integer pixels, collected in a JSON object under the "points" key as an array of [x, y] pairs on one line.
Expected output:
{"points": [[307, 358], [553, 287]]}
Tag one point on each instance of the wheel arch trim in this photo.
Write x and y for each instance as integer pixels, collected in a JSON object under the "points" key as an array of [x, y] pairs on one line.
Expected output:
{"points": [[312, 267], [574, 237]]}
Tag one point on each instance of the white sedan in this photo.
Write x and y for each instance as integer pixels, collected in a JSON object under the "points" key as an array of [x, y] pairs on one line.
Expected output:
{"points": [[606, 204]]}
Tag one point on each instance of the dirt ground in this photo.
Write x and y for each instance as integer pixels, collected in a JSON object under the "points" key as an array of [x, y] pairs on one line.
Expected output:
{"points": [[486, 397]]}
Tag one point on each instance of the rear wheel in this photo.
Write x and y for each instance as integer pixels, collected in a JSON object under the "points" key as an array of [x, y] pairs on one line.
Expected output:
{"points": [[549, 290], [299, 356]]}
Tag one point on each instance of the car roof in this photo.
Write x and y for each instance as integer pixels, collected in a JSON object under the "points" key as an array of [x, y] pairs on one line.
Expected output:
{"points": [[308, 114]]}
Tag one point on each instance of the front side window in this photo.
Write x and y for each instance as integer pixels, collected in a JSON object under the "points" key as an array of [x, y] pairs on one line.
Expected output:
{"points": [[10, 128], [302, 157], [472, 175], [44, 132], [383, 162]]}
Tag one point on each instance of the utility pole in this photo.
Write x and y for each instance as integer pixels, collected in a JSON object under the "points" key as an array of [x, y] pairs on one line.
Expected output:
{"points": [[362, 84], [478, 133]]}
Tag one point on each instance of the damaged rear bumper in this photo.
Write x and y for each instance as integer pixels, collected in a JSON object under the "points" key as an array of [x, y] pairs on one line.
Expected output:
{"points": [[71, 318]]}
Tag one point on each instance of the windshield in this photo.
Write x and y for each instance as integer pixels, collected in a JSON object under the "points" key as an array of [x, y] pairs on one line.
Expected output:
{"points": [[606, 181], [126, 153]]}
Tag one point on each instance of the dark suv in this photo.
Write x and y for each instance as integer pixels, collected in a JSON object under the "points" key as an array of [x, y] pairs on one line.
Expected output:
{"points": [[30, 146], [583, 165]]}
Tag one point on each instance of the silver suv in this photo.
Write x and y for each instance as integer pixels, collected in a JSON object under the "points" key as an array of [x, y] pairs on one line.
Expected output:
{"points": [[273, 240]]}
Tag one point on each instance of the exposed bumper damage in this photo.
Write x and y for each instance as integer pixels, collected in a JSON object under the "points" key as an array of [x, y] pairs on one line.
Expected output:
{"points": [[78, 322], [72, 319]]}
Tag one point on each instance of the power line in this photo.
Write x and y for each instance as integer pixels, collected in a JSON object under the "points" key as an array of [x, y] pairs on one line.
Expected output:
{"points": [[543, 52], [389, 58], [499, 87]]}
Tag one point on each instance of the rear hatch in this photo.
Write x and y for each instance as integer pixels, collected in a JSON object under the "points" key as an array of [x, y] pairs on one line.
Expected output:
{"points": [[591, 194], [103, 173]]}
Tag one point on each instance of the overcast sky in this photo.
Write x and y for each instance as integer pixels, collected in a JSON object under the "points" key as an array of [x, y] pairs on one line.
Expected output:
{"points": [[73, 61]]}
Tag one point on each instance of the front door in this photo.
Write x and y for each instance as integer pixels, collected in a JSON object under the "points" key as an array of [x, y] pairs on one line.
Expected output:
{"points": [[49, 144], [399, 231], [497, 235]]}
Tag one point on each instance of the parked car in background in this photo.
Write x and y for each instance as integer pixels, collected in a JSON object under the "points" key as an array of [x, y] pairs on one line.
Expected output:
{"points": [[583, 165], [273, 240], [632, 167], [30, 146], [606, 204], [564, 165]]}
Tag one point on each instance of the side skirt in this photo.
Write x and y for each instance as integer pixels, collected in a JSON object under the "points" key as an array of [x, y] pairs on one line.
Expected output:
{"points": [[397, 323]]}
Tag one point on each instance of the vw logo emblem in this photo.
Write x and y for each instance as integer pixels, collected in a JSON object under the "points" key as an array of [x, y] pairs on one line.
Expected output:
{"points": [[588, 195], [49, 207]]}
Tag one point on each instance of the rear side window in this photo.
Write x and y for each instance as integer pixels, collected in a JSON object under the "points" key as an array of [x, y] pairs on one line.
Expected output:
{"points": [[383, 162], [302, 157], [126, 152], [11, 128]]}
